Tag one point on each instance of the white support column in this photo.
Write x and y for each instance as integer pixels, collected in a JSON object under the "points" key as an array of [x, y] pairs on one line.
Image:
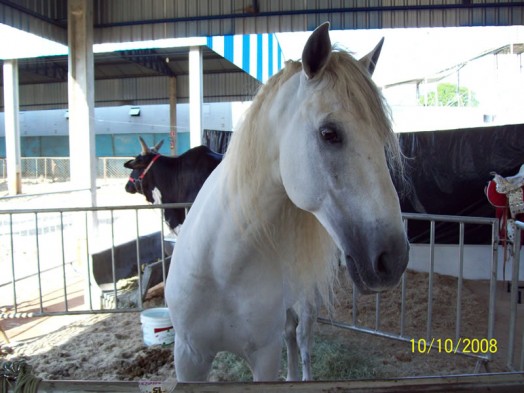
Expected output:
{"points": [[172, 116], [12, 127], [81, 88], [196, 96]]}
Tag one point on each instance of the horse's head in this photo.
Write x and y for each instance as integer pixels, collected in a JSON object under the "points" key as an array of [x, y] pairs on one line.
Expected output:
{"points": [[336, 149], [139, 165]]}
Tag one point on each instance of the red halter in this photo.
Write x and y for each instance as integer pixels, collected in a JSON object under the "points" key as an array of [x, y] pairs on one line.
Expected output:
{"points": [[138, 182]]}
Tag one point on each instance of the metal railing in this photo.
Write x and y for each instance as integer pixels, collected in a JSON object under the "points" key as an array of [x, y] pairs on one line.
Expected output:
{"points": [[47, 263], [428, 341], [70, 260]]}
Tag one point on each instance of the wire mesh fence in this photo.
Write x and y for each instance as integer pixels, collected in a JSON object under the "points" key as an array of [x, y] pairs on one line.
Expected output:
{"points": [[57, 169]]}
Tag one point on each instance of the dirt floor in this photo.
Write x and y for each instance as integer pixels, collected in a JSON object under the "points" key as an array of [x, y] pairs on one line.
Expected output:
{"points": [[110, 347]]}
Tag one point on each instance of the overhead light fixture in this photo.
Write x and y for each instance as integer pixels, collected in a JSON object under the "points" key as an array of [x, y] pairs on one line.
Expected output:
{"points": [[134, 111]]}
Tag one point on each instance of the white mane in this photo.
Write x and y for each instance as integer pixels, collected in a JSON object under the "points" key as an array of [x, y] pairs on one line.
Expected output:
{"points": [[248, 157]]}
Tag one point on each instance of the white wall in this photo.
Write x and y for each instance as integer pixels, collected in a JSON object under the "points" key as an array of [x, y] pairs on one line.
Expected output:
{"points": [[477, 261]]}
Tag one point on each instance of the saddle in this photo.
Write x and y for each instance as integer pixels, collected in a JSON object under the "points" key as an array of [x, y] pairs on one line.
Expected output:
{"points": [[506, 194]]}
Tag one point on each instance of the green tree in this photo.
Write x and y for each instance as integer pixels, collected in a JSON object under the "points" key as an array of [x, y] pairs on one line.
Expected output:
{"points": [[449, 95]]}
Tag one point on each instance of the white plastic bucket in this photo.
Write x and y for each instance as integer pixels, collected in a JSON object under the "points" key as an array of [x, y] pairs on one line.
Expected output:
{"points": [[157, 327]]}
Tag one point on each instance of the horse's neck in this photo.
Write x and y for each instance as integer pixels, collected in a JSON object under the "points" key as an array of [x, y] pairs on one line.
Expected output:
{"points": [[292, 238]]}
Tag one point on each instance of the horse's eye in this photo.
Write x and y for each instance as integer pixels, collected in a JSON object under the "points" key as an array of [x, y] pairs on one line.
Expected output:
{"points": [[330, 135]]}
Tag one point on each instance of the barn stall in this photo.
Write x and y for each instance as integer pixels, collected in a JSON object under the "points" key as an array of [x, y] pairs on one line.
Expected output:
{"points": [[453, 286], [418, 310], [218, 21]]}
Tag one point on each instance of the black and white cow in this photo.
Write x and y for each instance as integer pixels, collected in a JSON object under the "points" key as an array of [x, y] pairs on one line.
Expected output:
{"points": [[163, 179]]}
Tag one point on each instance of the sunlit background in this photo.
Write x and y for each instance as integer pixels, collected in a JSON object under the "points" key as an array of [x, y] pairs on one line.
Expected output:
{"points": [[432, 78]]}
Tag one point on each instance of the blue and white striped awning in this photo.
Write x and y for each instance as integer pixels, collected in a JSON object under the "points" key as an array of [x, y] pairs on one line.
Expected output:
{"points": [[259, 55]]}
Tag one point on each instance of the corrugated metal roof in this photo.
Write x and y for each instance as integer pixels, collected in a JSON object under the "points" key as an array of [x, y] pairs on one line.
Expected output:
{"points": [[140, 91], [123, 64], [134, 20], [137, 20], [45, 18]]}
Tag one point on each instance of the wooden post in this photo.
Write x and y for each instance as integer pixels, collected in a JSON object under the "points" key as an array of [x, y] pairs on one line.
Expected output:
{"points": [[172, 116]]}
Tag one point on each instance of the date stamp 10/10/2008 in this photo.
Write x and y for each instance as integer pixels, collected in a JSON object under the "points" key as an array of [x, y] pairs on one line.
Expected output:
{"points": [[477, 346]]}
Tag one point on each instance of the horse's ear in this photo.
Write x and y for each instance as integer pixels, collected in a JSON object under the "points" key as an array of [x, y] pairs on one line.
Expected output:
{"points": [[370, 60], [158, 146], [317, 51], [145, 149]]}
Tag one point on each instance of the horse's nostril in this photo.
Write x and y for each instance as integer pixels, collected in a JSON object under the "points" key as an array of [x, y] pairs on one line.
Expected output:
{"points": [[382, 268]]}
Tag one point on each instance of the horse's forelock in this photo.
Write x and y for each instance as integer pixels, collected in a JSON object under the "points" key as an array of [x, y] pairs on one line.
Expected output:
{"points": [[346, 77], [350, 80]]}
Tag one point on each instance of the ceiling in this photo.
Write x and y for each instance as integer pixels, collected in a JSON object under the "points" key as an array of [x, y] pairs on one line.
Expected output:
{"points": [[140, 20], [134, 63]]}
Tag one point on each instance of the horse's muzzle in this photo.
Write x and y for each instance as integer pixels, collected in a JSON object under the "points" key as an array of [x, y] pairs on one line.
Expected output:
{"points": [[381, 273]]}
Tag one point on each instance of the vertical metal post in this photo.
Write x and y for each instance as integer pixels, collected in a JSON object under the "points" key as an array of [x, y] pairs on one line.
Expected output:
{"points": [[63, 259], [377, 311], [172, 116], [430, 280], [403, 305], [13, 278], [354, 310], [88, 292], [162, 248], [459, 283], [139, 270], [493, 280], [39, 277], [513, 302], [403, 293], [113, 263], [520, 226]]}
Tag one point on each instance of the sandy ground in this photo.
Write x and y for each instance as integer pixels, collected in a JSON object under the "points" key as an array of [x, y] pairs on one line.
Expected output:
{"points": [[110, 347]]}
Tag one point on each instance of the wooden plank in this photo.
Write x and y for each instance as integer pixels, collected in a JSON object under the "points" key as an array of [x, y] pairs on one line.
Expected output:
{"points": [[505, 382], [494, 383]]}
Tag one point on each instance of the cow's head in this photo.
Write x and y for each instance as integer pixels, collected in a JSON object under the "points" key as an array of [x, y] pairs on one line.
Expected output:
{"points": [[140, 165]]}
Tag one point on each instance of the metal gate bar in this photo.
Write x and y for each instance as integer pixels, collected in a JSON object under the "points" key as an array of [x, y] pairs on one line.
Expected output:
{"points": [[16, 226], [514, 303], [401, 335], [24, 233]]}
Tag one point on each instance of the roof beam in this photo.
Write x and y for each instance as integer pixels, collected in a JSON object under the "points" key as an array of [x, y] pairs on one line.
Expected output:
{"points": [[34, 14], [148, 58], [46, 68]]}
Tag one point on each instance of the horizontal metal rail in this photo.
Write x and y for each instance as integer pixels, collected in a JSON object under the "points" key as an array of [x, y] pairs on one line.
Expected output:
{"points": [[47, 254], [112, 221]]}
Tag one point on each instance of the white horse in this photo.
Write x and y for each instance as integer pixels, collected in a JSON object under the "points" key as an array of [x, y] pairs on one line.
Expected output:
{"points": [[307, 174], [299, 328]]}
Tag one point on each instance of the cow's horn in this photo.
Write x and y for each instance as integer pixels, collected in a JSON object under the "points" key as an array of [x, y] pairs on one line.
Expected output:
{"points": [[158, 146], [145, 149]]}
